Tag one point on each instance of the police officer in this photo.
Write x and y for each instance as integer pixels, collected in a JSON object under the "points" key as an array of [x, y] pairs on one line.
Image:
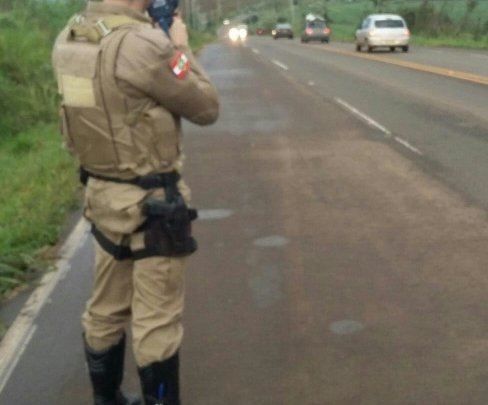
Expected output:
{"points": [[125, 87]]}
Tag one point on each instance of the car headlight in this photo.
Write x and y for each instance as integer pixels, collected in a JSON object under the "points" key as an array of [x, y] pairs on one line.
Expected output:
{"points": [[234, 34], [243, 33]]}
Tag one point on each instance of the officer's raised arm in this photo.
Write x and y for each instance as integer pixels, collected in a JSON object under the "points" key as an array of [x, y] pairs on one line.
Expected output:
{"points": [[166, 71]]}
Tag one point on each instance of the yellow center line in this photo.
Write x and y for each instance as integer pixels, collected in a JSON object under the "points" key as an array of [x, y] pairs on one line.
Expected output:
{"points": [[416, 66]]}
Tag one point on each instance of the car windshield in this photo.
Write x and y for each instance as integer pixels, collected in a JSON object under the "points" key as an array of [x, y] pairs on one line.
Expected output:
{"points": [[389, 24], [283, 26], [316, 24]]}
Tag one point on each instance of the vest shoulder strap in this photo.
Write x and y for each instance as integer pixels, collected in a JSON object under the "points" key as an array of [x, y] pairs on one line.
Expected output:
{"points": [[94, 32]]}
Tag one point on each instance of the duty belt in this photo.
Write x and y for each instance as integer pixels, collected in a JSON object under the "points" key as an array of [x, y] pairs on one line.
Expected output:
{"points": [[155, 180], [168, 181]]}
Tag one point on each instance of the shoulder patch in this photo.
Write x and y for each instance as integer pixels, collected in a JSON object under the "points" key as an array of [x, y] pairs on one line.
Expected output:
{"points": [[180, 65]]}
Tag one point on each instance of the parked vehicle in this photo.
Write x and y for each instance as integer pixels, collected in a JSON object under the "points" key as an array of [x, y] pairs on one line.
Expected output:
{"points": [[383, 30], [282, 30], [316, 30]]}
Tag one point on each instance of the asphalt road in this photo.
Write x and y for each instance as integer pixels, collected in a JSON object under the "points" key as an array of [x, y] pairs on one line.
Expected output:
{"points": [[343, 238]]}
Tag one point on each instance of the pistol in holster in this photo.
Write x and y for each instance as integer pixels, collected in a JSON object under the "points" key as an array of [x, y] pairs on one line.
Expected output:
{"points": [[168, 227]]}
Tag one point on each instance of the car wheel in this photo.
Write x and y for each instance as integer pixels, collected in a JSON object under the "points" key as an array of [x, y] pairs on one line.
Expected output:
{"points": [[392, 49], [405, 48], [370, 49], [358, 48]]}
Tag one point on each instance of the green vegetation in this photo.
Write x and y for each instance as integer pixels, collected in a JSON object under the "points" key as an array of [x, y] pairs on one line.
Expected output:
{"points": [[462, 23], [27, 31], [39, 180], [38, 191]]}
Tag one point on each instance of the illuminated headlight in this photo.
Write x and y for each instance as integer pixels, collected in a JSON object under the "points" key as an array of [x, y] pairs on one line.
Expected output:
{"points": [[243, 33], [234, 34], [273, 32]]}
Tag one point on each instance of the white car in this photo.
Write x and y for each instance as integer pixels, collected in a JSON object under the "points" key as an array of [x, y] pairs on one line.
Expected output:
{"points": [[383, 30]]}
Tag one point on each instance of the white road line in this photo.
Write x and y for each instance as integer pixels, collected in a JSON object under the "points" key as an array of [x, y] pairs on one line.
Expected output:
{"points": [[21, 331], [10, 367], [364, 117], [408, 146], [311, 83], [281, 65], [256, 51]]}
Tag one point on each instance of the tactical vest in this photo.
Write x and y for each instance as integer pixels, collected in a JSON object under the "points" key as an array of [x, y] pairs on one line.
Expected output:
{"points": [[112, 134]]}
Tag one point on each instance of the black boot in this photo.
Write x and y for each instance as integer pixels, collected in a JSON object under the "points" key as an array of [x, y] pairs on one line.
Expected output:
{"points": [[160, 382], [106, 370]]}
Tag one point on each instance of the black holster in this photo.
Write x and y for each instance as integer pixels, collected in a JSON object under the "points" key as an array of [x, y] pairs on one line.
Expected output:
{"points": [[168, 227]]}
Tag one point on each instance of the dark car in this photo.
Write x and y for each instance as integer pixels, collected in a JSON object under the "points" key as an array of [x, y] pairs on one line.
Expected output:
{"points": [[283, 30], [316, 30]]}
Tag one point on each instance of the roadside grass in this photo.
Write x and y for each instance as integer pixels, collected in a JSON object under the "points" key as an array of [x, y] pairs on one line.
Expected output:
{"points": [[39, 187]]}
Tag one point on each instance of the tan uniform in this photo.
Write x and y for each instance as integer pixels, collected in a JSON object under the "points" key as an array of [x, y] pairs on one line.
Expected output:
{"points": [[125, 87]]}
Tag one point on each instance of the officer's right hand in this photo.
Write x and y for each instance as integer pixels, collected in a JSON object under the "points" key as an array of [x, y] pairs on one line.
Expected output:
{"points": [[178, 32]]}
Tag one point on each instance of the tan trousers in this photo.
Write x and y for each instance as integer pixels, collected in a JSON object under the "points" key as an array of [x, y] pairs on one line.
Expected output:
{"points": [[147, 293]]}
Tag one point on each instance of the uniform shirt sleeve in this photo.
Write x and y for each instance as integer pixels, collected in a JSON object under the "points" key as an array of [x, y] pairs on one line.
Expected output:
{"points": [[143, 69]]}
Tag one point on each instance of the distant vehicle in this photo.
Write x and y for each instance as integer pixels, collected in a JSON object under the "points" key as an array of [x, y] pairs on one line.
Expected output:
{"points": [[238, 34], [282, 30], [316, 30], [383, 30]]}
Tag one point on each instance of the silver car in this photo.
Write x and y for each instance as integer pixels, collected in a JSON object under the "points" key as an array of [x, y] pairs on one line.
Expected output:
{"points": [[383, 30]]}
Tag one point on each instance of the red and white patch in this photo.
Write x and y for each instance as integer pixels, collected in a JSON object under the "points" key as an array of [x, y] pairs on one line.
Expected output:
{"points": [[180, 65]]}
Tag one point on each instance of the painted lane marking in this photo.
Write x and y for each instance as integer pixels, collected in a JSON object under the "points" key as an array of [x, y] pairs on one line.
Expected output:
{"points": [[9, 368], [278, 63], [375, 124], [364, 117], [217, 213], [271, 241], [408, 145], [453, 74], [256, 51], [346, 327], [22, 329], [311, 83]]}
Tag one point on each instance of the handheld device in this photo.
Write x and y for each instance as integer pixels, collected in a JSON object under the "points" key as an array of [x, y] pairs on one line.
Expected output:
{"points": [[162, 12]]}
